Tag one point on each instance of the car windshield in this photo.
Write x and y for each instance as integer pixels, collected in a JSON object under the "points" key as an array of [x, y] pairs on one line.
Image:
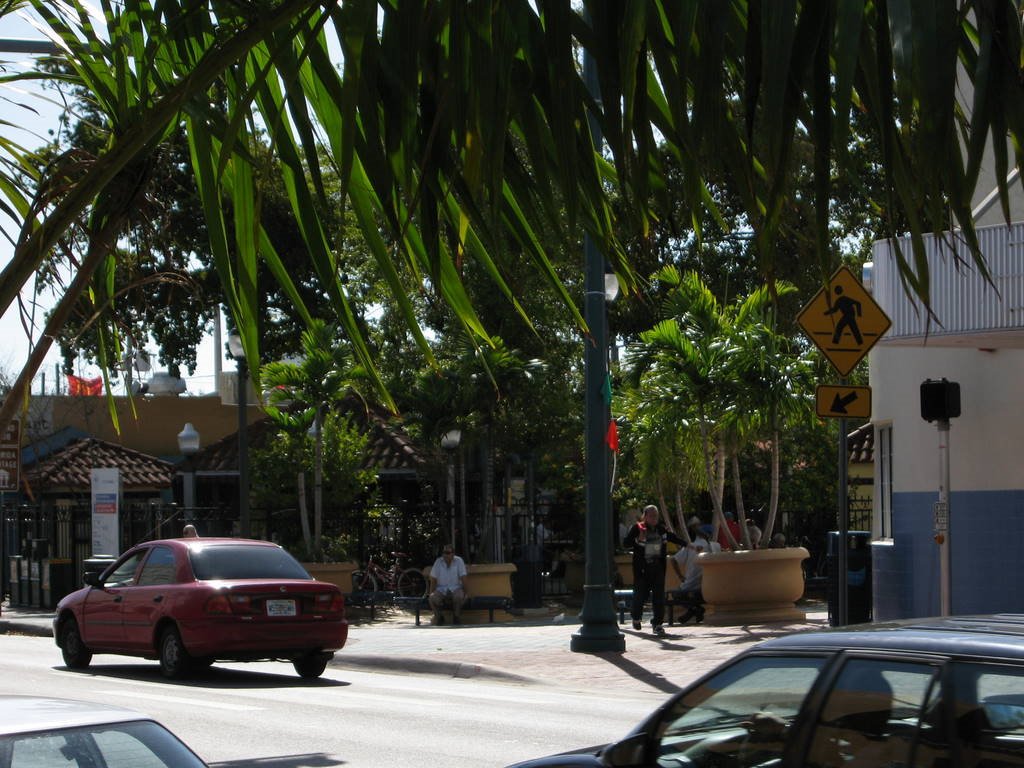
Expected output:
{"points": [[140, 744], [241, 561]]}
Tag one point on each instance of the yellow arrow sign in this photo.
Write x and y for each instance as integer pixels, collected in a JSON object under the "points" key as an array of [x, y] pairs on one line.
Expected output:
{"points": [[843, 321], [843, 402]]}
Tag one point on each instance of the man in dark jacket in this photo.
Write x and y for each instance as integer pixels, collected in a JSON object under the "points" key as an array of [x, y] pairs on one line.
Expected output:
{"points": [[647, 538]]}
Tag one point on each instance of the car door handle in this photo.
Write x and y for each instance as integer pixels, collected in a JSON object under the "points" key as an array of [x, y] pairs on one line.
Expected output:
{"points": [[118, 598], [158, 599]]}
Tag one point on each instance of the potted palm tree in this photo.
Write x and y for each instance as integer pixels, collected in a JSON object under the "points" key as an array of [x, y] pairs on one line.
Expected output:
{"points": [[714, 378]]}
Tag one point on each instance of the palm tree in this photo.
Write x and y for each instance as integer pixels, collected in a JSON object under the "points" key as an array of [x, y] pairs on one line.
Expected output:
{"points": [[729, 371], [299, 395], [458, 128]]}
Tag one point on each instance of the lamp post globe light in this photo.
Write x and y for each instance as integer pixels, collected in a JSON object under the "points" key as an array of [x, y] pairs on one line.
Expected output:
{"points": [[188, 444], [449, 442], [238, 354]]}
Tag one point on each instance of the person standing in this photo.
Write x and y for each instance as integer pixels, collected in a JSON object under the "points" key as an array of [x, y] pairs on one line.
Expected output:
{"points": [[448, 586], [648, 538]]}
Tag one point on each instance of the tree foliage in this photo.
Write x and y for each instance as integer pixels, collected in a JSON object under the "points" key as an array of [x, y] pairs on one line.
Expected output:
{"points": [[452, 126]]}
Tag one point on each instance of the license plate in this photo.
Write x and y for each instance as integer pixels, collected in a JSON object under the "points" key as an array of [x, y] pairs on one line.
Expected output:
{"points": [[280, 607]]}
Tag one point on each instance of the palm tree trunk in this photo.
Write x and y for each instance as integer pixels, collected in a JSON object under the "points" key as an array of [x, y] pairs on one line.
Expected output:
{"points": [[318, 481], [300, 481], [737, 492], [773, 502]]}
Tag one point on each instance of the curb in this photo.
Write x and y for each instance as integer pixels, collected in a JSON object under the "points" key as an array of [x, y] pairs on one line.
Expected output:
{"points": [[33, 629], [414, 665]]}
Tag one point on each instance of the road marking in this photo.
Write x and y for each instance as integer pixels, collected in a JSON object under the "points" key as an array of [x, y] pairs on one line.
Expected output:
{"points": [[189, 702]]}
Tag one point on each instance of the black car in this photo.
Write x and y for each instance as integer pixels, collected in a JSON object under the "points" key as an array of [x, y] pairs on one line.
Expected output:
{"points": [[938, 693]]}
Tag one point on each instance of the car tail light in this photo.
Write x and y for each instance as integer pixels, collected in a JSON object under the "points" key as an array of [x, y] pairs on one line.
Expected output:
{"points": [[218, 604], [329, 601], [226, 604]]}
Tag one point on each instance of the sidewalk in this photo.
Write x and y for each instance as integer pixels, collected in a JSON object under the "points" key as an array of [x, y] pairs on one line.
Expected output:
{"points": [[533, 650]]}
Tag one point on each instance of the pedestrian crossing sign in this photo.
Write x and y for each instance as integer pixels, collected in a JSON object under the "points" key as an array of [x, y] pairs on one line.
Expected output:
{"points": [[843, 320]]}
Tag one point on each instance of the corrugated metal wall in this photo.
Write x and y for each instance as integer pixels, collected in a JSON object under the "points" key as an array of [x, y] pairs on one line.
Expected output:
{"points": [[962, 300]]}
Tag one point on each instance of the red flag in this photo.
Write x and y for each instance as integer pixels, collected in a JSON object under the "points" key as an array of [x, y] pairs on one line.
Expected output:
{"points": [[80, 386], [612, 436]]}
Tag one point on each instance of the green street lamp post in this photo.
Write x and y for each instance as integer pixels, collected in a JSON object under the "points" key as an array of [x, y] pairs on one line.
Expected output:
{"points": [[238, 353], [599, 630]]}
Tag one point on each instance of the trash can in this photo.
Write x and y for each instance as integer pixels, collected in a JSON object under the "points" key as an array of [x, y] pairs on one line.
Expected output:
{"points": [[526, 581], [97, 564], [858, 577], [57, 581], [19, 580]]}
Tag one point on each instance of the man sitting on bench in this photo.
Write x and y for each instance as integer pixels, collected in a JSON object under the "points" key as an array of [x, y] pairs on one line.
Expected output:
{"points": [[448, 586], [690, 572]]}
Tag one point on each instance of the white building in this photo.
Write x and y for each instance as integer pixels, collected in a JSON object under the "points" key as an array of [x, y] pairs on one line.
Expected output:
{"points": [[980, 345]]}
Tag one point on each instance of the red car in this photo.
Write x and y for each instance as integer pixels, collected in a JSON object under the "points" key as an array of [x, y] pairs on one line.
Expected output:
{"points": [[189, 602]]}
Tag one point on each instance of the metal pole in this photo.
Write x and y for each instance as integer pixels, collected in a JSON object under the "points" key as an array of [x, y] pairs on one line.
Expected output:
{"points": [[189, 479], [942, 527], [243, 449], [462, 503], [599, 630], [451, 496], [842, 553]]}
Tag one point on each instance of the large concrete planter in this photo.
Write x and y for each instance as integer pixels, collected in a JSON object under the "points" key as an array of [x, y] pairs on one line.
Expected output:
{"points": [[489, 579], [624, 566], [335, 573], [757, 586]]}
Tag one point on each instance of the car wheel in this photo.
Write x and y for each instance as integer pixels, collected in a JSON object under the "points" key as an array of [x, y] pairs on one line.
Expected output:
{"points": [[312, 664], [76, 655], [175, 662]]}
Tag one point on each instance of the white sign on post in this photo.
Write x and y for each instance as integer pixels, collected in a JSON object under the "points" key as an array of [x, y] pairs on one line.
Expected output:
{"points": [[106, 508]]}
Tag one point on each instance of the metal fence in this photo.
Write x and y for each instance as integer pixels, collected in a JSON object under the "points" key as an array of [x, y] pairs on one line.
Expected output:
{"points": [[43, 549]]}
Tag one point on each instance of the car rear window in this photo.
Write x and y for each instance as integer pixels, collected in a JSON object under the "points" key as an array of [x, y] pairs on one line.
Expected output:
{"points": [[240, 561]]}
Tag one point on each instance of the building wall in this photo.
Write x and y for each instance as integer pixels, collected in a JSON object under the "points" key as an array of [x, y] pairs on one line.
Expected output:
{"points": [[985, 484], [149, 424]]}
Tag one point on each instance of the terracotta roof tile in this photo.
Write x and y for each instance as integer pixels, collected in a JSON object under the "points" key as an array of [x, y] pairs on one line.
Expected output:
{"points": [[69, 467], [389, 450], [860, 444]]}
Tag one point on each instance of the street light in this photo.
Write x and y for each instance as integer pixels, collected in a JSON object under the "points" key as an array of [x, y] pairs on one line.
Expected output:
{"points": [[449, 442], [238, 353], [599, 630], [188, 444]]}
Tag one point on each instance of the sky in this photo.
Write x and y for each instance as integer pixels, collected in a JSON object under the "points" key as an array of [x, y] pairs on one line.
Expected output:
{"points": [[27, 117]]}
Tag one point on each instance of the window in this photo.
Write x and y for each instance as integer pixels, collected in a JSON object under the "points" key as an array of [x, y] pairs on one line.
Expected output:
{"points": [[872, 717], [242, 561], [740, 716], [159, 568], [124, 574], [140, 744], [988, 710], [883, 467]]}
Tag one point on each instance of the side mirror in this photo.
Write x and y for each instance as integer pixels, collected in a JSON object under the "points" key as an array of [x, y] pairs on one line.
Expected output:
{"points": [[92, 578], [628, 752]]}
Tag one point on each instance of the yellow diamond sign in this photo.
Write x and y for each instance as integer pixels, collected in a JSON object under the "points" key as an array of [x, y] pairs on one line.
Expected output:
{"points": [[843, 321]]}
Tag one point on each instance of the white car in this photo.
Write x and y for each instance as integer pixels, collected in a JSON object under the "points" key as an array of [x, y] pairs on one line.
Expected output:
{"points": [[37, 731]]}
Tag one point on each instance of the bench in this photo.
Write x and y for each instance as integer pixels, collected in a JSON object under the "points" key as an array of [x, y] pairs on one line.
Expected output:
{"points": [[369, 599], [624, 604], [489, 603]]}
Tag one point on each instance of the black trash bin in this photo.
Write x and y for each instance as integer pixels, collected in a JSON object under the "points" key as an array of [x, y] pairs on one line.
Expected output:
{"points": [[526, 581], [97, 564], [858, 577], [57, 581], [19, 580]]}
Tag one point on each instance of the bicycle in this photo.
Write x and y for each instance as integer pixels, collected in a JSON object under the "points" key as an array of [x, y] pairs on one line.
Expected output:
{"points": [[405, 582]]}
